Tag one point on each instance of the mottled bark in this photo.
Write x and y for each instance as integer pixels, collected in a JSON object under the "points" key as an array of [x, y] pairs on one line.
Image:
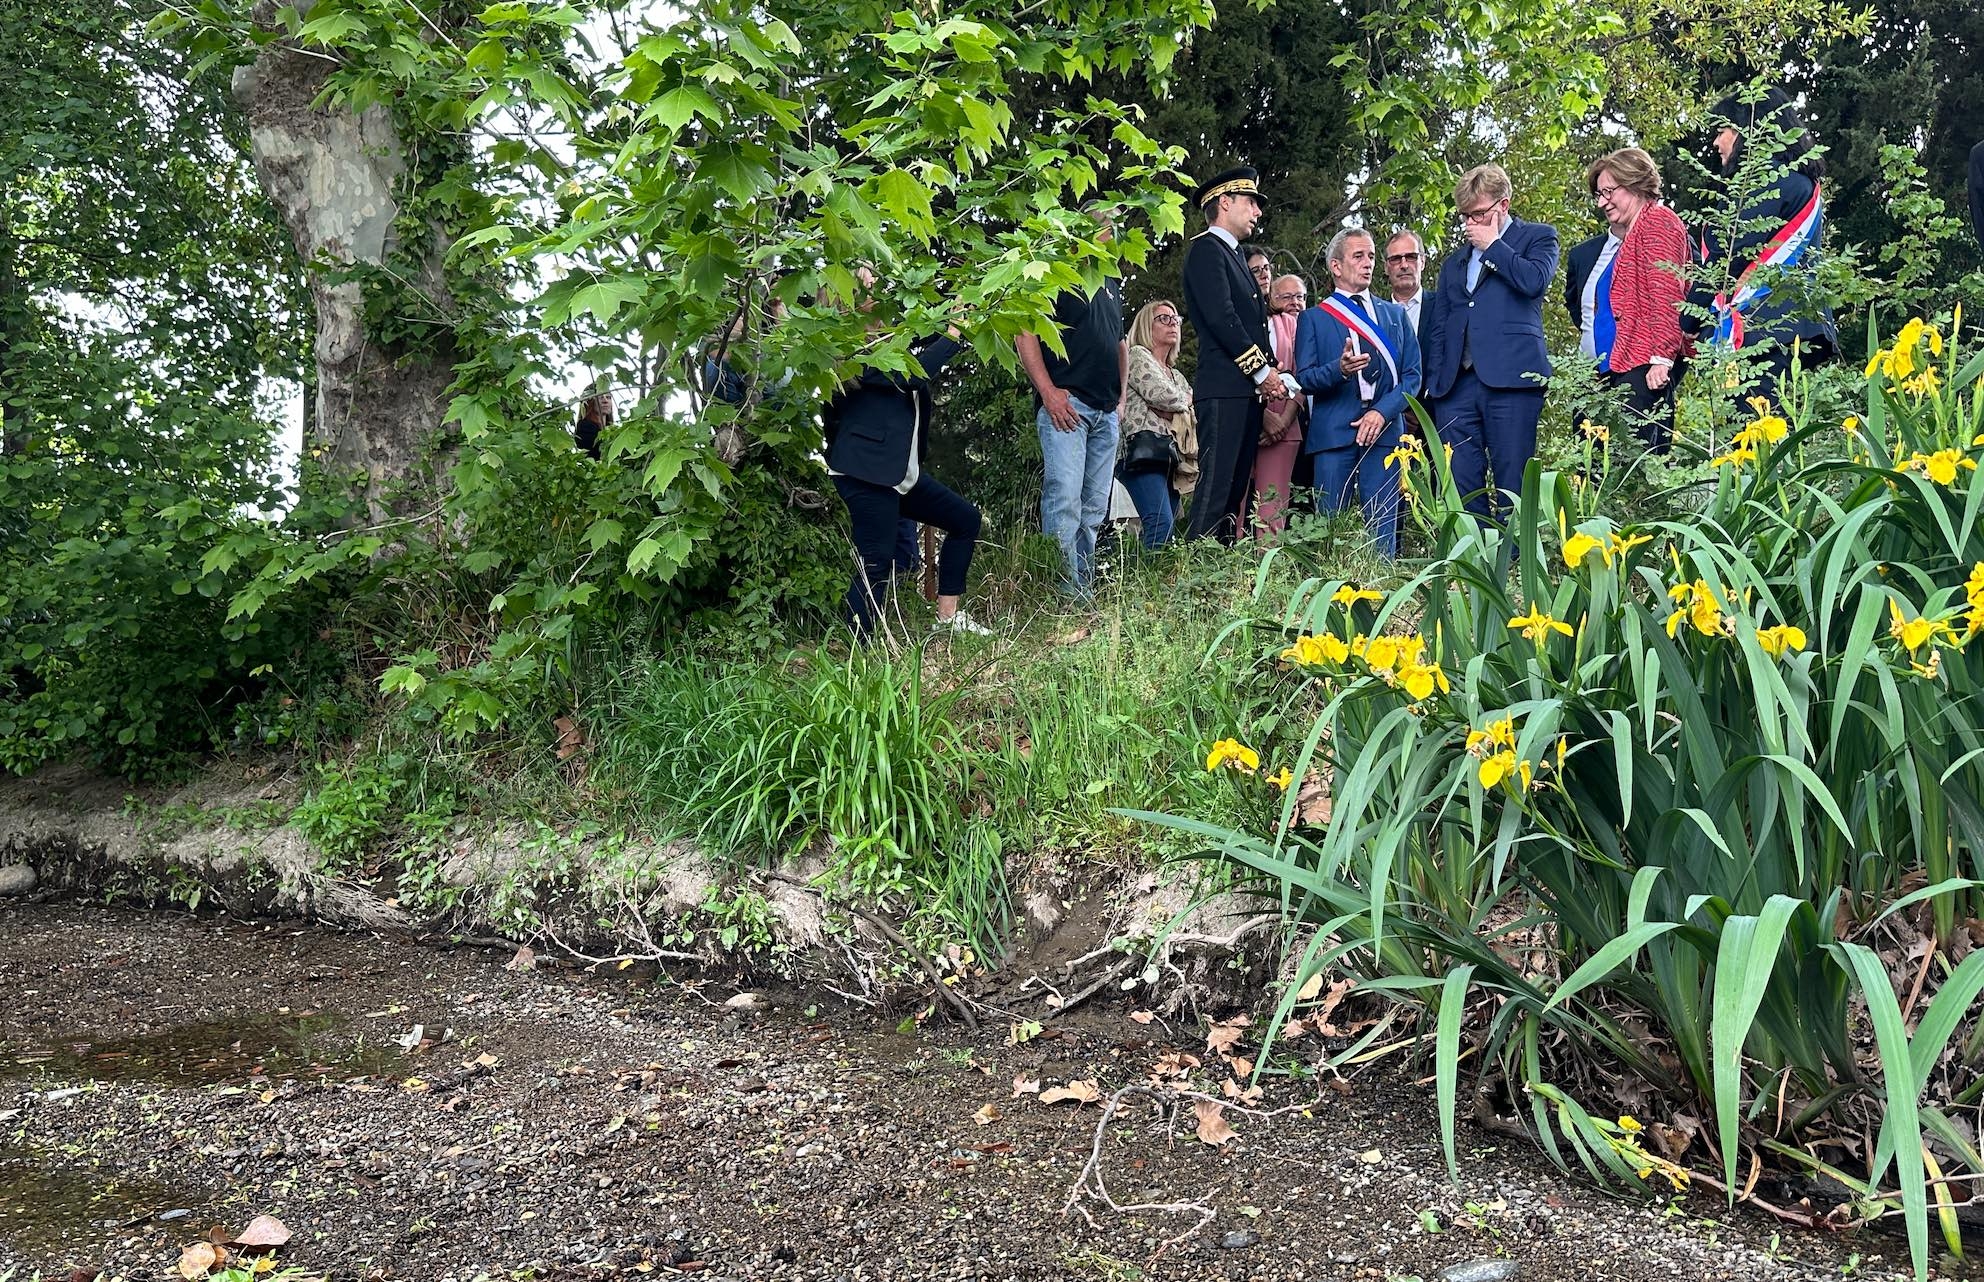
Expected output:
{"points": [[333, 175]]}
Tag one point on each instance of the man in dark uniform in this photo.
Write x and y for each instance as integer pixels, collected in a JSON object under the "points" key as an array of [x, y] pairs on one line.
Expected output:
{"points": [[1236, 374]]}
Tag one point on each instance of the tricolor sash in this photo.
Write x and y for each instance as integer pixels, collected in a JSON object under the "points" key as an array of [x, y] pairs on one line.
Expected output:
{"points": [[1352, 318], [1785, 249]]}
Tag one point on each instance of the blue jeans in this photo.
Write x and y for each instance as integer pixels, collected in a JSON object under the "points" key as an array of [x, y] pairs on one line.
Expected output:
{"points": [[1157, 505], [1077, 470]]}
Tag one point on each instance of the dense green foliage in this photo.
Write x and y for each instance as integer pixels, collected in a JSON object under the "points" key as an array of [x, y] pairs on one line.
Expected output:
{"points": [[1705, 778], [145, 294]]}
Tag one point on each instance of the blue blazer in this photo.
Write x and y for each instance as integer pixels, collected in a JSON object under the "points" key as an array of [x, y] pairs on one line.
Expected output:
{"points": [[1334, 402], [1501, 323]]}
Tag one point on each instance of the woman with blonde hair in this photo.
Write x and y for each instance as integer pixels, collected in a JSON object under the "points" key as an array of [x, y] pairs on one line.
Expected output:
{"points": [[1157, 452]]}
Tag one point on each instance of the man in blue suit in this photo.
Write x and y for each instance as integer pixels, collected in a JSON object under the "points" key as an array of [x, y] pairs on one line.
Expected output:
{"points": [[1483, 338], [1358, 358]]}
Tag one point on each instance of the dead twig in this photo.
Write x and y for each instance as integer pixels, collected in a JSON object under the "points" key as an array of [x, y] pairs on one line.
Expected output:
{"points": [[1089, 1183]]}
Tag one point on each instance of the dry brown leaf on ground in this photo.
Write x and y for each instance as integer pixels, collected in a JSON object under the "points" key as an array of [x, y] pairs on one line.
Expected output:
{"points": [[1339, 990], [1312, 802], [1173, 1065], [1242, 1066], [571, 736], [1310, 987], [1081, 1091], [1247, 1095], [526, 959], [198, 1260], [1222, 1037], [987, 1115], [1212, 1122], [263, 1230], [1142, 1016], [1023, 1085]]}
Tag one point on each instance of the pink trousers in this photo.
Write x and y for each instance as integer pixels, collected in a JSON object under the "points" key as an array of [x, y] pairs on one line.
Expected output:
{"points": [[1274, 466]]}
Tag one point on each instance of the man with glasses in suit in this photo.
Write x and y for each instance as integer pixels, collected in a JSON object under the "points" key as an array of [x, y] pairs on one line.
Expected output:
{"points": [[1482, 337]]}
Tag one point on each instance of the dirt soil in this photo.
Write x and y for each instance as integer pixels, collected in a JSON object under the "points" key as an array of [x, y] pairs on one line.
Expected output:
{"points": [[161, 1075]]}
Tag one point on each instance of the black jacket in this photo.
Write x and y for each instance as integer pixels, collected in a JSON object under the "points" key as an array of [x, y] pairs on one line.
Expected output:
{"points": [[1977, 191], [1229, 317], [1578, 263], [871, 420]]}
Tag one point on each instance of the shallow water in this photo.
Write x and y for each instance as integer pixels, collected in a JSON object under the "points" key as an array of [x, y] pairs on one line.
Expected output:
{"points": [[276, 1046]]}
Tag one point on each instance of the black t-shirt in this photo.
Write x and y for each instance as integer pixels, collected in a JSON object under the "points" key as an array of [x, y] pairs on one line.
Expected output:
{"points": [[1092, 331]]}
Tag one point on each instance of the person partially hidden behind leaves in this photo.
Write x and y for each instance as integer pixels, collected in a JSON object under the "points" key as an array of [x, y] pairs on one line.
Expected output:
{"points": [[878, 432]]}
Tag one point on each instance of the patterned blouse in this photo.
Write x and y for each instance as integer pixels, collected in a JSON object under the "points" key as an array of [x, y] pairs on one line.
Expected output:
{"points": [[1160, 400]]}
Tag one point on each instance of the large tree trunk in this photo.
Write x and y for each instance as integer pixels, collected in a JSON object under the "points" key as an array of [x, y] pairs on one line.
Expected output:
{"points": [[334, 175]]}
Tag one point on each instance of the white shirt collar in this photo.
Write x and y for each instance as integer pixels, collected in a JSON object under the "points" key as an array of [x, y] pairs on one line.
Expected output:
{"points": [[1225, 235]]}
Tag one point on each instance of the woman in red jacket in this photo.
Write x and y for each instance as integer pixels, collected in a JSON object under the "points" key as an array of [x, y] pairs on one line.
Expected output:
{"points": [[1628, 293]]}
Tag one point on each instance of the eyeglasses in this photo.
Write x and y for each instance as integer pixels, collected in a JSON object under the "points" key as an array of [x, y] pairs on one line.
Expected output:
{"points": [[1410, 257], [1604, 193], [1481, 215], [1262, 271], [1164, 318], [1285, 296]]}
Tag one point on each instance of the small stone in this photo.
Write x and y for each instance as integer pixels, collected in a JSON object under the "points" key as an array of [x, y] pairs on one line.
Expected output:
{"points": [[1238, 1239], [16, 879], [747, 1002], [166, 1217], [1479, 1271]]}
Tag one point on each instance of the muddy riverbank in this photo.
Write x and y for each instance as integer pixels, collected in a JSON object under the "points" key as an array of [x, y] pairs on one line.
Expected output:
{"points": [[415, 1113]]}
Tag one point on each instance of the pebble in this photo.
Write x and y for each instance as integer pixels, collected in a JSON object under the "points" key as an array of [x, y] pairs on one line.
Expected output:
{"points": [[1479, 1271], [16, 879], [1239, 1239]]}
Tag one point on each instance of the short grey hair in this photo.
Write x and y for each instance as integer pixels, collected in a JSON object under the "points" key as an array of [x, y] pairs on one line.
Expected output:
{"points": [[1335, 252], [1418, 241]]}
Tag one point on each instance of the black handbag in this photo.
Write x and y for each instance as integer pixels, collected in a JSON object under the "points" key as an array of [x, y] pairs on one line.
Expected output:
{"points": [[1150, 451]]}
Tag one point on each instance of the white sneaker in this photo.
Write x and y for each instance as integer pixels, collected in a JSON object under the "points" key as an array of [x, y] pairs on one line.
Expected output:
{"points": [[962, 623]]}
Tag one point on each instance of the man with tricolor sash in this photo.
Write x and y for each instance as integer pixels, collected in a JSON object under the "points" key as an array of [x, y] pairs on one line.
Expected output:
{"points": [[1767, 302], [1357, 359]]}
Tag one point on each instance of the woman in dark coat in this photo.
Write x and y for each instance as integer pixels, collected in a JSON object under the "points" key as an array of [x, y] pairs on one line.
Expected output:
{"points": [[878, 432]]}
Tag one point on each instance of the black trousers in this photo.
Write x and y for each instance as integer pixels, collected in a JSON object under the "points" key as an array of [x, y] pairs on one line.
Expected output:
{"points": [[1649, 413], [1229, 437], [874, 511]]}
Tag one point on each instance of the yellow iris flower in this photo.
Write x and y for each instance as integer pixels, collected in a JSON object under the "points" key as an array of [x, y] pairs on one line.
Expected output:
{"points": [[1777, 640], [1231, 752], [1538, 626], [1942, 466]]}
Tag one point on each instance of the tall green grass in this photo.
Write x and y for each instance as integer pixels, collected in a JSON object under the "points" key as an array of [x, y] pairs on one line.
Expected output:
{"points": [[922, 767]]}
